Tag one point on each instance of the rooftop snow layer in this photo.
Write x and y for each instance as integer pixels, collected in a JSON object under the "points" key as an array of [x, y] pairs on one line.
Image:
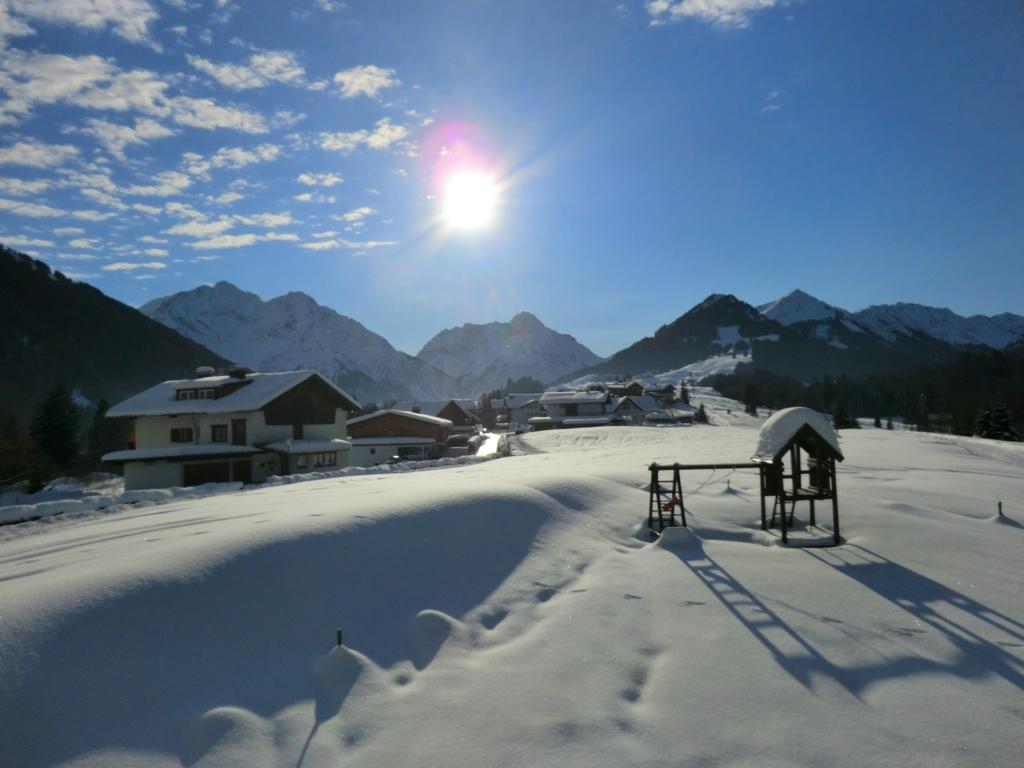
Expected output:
{"points": [[782, 425], [258, 390], [404, 414]]}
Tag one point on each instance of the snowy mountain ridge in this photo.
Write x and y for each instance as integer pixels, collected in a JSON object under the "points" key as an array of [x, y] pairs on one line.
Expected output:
{"points": [[902, 319], [293, 331], [483, 357]]}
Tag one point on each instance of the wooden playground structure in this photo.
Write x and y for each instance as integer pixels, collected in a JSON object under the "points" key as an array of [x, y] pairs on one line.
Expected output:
{"points": [[796, 462]]}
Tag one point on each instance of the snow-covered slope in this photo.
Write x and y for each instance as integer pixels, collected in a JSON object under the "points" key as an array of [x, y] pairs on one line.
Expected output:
{"points": [[798, 307], [484, 357], [292, 332], [894, 320], [508, 614]]}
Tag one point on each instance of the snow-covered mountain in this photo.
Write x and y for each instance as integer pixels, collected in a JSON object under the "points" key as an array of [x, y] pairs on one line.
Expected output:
{"points": [[483, 357], [892, 321], [798, 307], [293, 331]]}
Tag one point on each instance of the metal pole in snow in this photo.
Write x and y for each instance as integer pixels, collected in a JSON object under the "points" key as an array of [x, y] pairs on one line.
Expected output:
{"points": [[340, 637]]}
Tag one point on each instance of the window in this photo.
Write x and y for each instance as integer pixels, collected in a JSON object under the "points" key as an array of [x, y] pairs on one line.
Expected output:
{"points": [[181, 435], [571, 409], [207, 394], [301, 461], [219, 433], [325, 459]]}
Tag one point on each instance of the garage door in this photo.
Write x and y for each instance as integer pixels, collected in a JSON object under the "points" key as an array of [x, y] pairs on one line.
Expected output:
{"points": [[210, 472]]}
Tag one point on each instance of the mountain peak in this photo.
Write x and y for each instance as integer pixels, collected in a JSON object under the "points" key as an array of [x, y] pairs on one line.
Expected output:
{"points": [[797, 307], [525, 322]]}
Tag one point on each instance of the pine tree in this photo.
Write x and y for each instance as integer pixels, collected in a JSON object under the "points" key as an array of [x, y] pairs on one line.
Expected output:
{"points": [[684, 395], [15, 449], [878, 422], [105, 435], [888, 423], [701, 417], [54, 428]]}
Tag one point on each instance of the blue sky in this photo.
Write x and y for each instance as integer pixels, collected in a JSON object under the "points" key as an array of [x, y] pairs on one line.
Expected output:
{"points": [[647, 153]]}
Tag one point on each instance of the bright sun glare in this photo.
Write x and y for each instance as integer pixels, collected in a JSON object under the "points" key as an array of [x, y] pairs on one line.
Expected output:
{"points": [[470, 200]]}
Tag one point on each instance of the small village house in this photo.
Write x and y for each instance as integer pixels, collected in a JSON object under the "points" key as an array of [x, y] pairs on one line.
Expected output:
{"points": [[378, 436], [241, 426]]}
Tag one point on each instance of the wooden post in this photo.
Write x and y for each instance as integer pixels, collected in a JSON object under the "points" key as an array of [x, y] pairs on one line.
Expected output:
{"points": [[835, 501], [764, 518], [677, 484], [782, 503], [651, 496]]}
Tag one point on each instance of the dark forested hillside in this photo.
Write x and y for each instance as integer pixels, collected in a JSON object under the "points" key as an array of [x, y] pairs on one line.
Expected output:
{"points": [[54, 330], [949, 396]]}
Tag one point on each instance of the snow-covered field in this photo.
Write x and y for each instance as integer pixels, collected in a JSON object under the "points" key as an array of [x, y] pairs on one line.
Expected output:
{"points": [[508, 613]]}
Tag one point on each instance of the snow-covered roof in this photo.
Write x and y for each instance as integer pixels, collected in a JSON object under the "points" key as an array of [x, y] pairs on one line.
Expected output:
{"points": [[586, 421], [781, 426], [643, 402], [178, 452], [309, 446], [358, 441], [256, 390], [519, 400], [438, 422], [574, 396]]}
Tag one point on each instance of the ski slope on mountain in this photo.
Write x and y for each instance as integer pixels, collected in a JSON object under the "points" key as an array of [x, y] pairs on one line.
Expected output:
{"points": [[510, 613]]}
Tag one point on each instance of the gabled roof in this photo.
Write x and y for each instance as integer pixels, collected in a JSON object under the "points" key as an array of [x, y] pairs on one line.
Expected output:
{"points": [[643, 402], [574, 396], [520, 399], [780, 429], [403, 414], [256, 391]]}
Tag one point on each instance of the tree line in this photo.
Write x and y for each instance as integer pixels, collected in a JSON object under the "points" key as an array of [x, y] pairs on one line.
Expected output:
{"points": [[981, 392], [61, 438]]}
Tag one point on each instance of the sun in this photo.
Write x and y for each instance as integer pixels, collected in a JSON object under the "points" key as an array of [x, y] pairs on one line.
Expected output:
{"points": [[469, 200]]}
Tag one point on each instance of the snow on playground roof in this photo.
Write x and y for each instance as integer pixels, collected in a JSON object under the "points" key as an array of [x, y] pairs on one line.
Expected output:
{"points": [[779, 429], [256, 391]]}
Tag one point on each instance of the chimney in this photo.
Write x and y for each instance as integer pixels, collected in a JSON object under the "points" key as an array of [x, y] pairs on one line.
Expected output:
{"points": [[238, 372], [203, 371]]}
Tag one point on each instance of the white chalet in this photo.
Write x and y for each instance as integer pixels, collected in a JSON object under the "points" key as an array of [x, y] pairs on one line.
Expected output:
{"points": [[241, 426], [578, 408]]}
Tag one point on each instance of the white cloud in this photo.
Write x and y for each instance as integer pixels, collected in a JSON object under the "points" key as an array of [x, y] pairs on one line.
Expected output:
{"points": [[35, 154], [383, 135], [320, 179], [22, 187], [226, 241], [237, 157], [164, 184], [90, 215], [129, 266], [267, 219], [78, 256], [32, 210], [103, 198], [324, 245], [157, 252], [128, 18], [184, 211], [92, 82], [357, 214], [20, 241], [89, 243], [283, 236], [151, 239], [224, 199], [65, 231], [116, 137], [726, 13], [152, 210], [261, 69], [309, 197], [366, 80], [201, 228]]}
